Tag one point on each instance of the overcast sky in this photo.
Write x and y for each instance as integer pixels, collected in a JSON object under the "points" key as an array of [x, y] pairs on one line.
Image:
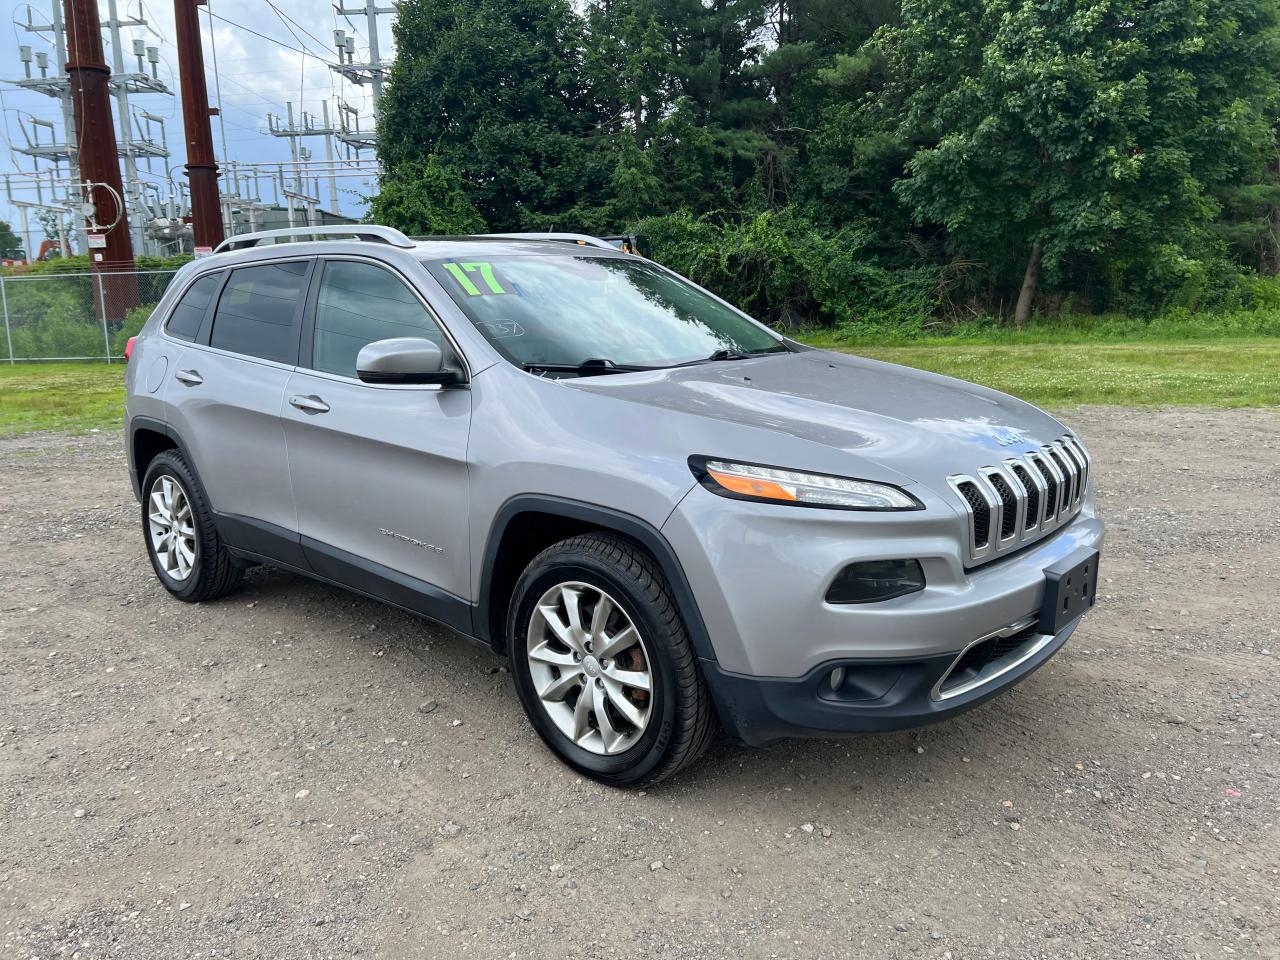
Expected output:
{"points": [[257, 74]]}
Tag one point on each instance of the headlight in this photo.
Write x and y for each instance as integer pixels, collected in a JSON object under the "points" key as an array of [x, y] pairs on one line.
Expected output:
{"points": [[751, 481]]}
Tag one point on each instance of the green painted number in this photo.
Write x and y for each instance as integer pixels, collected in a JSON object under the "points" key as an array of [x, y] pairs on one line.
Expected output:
{"points": [[486, 271], [460, 271], [463, 280]]}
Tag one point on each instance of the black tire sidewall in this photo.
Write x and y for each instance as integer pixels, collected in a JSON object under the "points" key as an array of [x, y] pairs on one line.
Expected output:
{"points": [[167, 465], [636, 763]]}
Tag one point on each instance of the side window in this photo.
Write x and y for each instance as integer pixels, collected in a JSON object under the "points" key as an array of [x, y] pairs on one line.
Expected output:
{"points": [[358, 304], [184, 322], [258, 310]]}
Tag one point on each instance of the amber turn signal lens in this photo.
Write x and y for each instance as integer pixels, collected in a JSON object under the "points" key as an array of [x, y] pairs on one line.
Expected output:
{"points": [[751, 487]]}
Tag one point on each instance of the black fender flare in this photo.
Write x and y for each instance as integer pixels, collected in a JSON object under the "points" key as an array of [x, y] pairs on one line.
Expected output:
{"points": [[632, 527], [159, 426]]}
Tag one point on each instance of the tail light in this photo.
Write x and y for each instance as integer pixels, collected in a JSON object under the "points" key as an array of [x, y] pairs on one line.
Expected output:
{"points": [[128, 349]]}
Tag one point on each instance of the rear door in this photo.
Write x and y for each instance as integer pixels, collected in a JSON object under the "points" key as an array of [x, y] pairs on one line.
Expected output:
{"points": [[225, 399], [379, 471]]}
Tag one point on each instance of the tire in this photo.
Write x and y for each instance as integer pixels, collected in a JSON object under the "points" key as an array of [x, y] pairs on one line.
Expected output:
{"points": [[209, 572], [678, 716]]}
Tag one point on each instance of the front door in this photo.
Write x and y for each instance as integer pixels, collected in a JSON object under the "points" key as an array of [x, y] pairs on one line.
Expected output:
{"points": [[379, 472]]}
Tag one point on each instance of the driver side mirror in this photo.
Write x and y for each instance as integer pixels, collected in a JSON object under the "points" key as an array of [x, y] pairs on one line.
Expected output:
{"points": [[409, 360]]}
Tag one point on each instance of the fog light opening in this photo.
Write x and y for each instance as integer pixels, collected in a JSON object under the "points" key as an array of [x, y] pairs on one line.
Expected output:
{"points": [[837, 678], [873, 581]]}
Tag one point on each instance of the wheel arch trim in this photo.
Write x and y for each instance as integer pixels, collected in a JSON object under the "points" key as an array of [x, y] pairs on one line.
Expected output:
{"points": [[608, 520], [137, 424]]}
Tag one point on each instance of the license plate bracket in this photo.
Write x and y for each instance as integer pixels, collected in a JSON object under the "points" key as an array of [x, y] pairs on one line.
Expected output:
{"points": [[1070, 589]]}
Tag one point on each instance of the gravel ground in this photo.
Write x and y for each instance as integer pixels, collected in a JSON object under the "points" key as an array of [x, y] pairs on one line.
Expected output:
{"points": [[294, 772]]}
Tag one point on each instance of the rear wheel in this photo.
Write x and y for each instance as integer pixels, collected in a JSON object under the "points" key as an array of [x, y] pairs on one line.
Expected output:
{"points": [[186, 552], [603, 663]]}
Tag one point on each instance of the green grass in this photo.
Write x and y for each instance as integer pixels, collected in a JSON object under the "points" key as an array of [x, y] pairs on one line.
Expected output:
{"points": [[76, 397], [1218, 373], [1178, 326], [73, 397]]}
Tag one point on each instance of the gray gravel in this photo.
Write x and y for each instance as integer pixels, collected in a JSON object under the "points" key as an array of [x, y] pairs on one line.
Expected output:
{"points": [[295, 772]]}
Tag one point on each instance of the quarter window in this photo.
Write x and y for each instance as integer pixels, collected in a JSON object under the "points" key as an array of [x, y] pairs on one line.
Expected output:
{"points": [[359, 304], [184, 322], [258, 311]]}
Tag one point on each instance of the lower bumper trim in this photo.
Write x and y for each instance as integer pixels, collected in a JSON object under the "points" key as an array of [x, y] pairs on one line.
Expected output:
{"points": [[887, 695]]}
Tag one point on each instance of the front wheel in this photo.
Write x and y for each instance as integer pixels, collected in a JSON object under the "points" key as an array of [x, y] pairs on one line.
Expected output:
{"points": [[603, 663]]}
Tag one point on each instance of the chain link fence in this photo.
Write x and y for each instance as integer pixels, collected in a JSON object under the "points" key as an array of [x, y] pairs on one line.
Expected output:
{"points": [[76, 316]]}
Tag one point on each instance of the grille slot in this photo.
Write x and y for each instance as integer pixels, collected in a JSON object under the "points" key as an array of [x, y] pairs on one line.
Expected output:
{"points": [[1023, 498], [980, 510], [1009, 515], [1081, 464], [1051, 495], [1068, 476], [1033, 495]]}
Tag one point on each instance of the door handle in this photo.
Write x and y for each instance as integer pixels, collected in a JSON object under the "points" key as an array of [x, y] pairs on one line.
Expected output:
{"points": [[311, 404], [191, 378]]}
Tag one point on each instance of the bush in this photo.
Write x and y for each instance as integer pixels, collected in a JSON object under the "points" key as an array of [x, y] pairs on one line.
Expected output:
{"points": [[129, 327], [784, 270]]}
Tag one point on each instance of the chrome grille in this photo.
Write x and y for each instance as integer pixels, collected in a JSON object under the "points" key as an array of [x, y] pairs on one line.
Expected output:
{"points": [[1023, 498]]}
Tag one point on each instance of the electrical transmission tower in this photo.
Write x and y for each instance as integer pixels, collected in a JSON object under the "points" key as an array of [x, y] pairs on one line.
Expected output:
{"points": [[141, 134]]}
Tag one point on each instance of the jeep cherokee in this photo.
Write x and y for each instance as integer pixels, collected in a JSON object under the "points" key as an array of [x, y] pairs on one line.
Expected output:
{"points": [[669, 517]]}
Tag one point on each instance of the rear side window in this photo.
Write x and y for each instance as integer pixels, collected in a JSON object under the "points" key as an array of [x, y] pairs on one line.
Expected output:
{"points": [[258, 312], [184, 322], [358, 304]]}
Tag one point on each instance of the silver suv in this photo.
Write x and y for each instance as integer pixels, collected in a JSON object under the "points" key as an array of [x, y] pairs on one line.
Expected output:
{"points": [[668, 517]]}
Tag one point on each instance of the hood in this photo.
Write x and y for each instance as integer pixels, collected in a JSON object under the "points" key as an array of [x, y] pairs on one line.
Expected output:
{"points": [[918, 425]]}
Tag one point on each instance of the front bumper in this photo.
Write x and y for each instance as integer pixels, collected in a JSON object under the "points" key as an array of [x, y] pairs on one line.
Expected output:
{"points": [[878, 696], [760, 574]]}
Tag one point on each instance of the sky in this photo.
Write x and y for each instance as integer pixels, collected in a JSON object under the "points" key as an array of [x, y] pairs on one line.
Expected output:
{"points": [[261, 66]]}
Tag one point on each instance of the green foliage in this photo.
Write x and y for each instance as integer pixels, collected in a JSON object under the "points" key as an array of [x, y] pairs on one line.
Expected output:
{"points": [[866, 164], [81, 264], [425, 198], [60, 315], [10, 242], [782, 269], [131, 326]]}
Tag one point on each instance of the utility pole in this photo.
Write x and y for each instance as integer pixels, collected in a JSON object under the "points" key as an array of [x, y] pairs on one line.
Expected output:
{"points": [[111, 250], [373, 72], [202, 168], [309, 129]]}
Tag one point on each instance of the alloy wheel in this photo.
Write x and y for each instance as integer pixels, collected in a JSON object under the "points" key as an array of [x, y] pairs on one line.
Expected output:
{"points": [[172, 527], [590, 668]]}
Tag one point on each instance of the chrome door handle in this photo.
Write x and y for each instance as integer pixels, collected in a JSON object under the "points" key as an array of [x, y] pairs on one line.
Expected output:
{"points": [[191, 378], [311, 404]]}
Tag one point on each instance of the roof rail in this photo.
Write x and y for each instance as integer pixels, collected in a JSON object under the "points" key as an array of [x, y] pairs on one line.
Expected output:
{"points": [[373, 234], [579, 238]]}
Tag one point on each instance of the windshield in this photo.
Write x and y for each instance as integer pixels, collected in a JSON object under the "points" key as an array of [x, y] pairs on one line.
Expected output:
{"points": [[563, 311]]}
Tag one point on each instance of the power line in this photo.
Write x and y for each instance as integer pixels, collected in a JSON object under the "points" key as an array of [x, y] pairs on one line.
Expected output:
{"points": [[217, 81], [288, 19], [263, 36]]}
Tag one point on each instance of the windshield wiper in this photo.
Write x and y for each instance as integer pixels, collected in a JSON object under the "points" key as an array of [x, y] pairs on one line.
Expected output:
{"points": [[726, 354], [594, 367]]}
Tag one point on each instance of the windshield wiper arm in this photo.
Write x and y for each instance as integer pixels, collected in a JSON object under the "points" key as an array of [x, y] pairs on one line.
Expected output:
{"points": [[593, 367], [726, 354]]}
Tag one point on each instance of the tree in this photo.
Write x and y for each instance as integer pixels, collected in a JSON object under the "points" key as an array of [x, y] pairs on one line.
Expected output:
{"points": [[494, 90], [10, 242], [423, 198], [1072, 129]]}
